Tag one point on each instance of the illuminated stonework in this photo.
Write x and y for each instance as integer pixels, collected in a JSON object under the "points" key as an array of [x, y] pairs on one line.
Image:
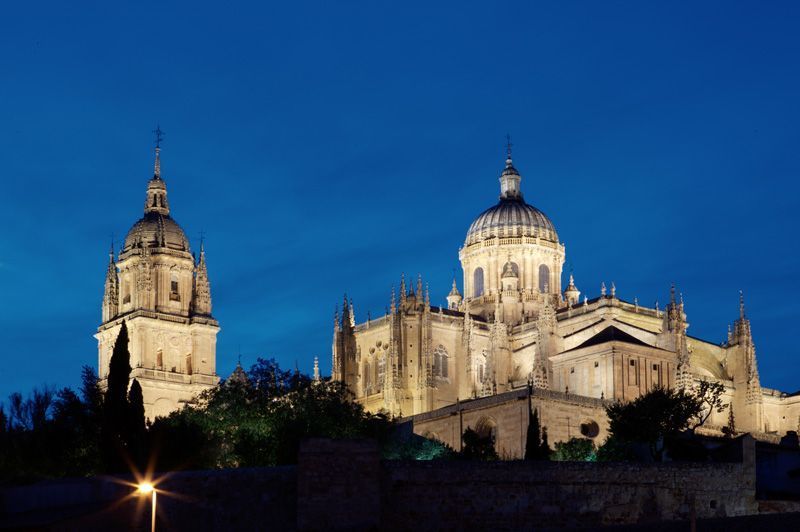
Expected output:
{"points": [[164, 295], [514, 326]]}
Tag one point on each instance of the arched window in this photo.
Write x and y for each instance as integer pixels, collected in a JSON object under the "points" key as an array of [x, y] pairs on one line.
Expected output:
{"points": [[477, 282], [544, 278], [159, 359], [189, 364], [440, 362], [367, 378]]}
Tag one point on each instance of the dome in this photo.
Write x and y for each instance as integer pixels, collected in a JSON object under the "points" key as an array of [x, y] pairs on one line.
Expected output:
{"points": [[156, 230], [511, 217]]}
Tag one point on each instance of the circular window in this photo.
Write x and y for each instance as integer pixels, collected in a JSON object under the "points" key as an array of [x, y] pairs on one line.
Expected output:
{"points": [[590, 429]]}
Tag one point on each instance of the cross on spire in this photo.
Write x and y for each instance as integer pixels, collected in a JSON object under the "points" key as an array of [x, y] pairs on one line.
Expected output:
{"points": [[508, 146], [159, 135]]}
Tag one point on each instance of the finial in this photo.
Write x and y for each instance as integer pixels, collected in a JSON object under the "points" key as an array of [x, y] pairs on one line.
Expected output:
{"points": [[202, 241], [741, 304], [159, 137], [613, 289], [672, 294], [603, 288], [316, 369], [585, 301], [508, 149]]}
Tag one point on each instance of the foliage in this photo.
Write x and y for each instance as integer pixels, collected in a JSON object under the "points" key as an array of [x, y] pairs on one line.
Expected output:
{"points": [[710, 396], [51, 434], [651, 417], [536, 446], [262, 421], [615, 450], [575, 450], [730, 430], [417, 448], [478, 447], [115, 405]]}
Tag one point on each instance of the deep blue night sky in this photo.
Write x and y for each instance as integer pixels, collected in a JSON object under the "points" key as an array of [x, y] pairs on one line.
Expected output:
{"points": [[329, 147]]}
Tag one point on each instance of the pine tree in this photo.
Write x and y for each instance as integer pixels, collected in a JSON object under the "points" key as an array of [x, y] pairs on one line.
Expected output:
{"points": [[534, 442], [135, 431], [115, 405], [544, 449], [730, 430]]}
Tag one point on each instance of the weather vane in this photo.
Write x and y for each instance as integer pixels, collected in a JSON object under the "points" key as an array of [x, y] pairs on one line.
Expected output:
{"points": [[508, 145], [159, 135]]}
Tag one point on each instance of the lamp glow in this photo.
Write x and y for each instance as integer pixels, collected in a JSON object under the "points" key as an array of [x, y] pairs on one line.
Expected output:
{"points": [[145, 488]]}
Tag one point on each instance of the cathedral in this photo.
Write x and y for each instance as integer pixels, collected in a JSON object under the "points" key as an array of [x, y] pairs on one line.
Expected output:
{"points": [[161, 290], [515, 333]]}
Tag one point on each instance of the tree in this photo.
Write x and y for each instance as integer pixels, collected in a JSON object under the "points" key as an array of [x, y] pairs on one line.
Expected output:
{"points": [[575, 450], [710, 396], [730, 429], [115, 404], [477, 446], [536, 447], [255, 422], [652, 416], [136, 432], [545, 449]]}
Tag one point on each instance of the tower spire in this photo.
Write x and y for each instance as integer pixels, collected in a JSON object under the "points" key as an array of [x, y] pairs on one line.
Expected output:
{"points": [[510, 178], [741, 305], [157, 165], [156, 189]]}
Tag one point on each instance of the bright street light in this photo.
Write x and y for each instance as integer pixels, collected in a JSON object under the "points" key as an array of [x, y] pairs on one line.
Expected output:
{"points": [[146, 488]]}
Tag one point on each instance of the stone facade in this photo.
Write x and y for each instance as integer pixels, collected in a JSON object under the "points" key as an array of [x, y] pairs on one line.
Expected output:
{"points": [[163, 294], [515, 326]]}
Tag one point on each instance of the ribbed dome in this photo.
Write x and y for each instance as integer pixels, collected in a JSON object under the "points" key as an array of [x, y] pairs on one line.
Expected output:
{"points": [[511, 217], [156, 230]]}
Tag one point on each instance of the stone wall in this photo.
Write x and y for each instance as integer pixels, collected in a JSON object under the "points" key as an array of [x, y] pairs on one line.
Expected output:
{"points": [[563, 415], [230, 499], [343, 485]]}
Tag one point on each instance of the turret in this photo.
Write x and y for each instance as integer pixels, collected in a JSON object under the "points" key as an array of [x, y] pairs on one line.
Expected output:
{"points": [[509, 279], [111, 293], [572, 295], [202, 286], [454, 297]]}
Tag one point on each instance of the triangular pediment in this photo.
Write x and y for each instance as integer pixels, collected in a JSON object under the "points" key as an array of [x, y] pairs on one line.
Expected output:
{"points": [[611, 334]]}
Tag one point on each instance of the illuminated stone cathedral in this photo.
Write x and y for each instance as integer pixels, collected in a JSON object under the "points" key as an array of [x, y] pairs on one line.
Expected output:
{"points": [[516, 333], [162, 291]]}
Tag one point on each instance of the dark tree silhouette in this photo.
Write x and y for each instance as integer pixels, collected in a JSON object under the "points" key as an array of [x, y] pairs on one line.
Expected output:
{"points": [[136, 432], [477, 446], [536, 446], [115, 407], [651, 417]]}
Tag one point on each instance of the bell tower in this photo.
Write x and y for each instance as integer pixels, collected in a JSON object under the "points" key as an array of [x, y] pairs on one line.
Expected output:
{"points": [[164, 296]]}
